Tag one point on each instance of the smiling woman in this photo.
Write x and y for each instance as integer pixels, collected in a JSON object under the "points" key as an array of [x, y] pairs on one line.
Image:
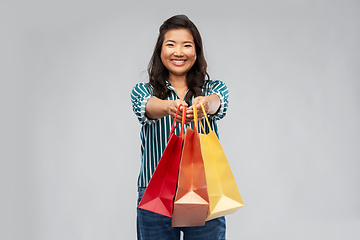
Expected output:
{"points": [[178, 55], [159, 74], [177, 72]]}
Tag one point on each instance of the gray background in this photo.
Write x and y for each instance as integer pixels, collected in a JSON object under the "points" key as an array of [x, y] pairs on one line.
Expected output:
{"points": [[70, 143]]}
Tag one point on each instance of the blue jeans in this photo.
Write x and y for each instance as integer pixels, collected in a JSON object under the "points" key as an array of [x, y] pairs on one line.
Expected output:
{"points": [[153, 226]]}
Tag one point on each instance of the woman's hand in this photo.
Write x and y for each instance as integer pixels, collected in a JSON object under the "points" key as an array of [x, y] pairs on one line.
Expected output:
{"points": [[211, 105], [200, 113], [173, 108], [156, 108]]}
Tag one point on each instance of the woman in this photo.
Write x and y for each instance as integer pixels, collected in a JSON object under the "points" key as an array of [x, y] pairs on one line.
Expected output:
{"points": [[177, 72]]}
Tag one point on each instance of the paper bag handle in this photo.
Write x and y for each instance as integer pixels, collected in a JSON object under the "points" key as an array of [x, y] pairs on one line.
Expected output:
{"points": [[207, 120], [195, 118], [182, 122]]}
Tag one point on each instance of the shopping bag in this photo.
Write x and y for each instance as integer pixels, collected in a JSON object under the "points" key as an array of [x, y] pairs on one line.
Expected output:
{"points": [[159, 194], [191, 200], [224, 195]]}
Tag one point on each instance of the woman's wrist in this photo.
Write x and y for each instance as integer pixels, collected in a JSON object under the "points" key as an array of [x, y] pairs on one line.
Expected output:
{"points": [[168, 105], [214, 103], [157, 108]]}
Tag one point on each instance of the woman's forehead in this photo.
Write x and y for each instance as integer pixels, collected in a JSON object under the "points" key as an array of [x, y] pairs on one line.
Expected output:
{"points": [[179, 35]]}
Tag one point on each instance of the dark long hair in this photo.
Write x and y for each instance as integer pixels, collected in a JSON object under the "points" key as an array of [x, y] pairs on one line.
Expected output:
{"points": [[158, 74]]}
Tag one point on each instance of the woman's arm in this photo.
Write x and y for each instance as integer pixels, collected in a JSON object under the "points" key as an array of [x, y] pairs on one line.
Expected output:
{"points": [[211, 105], [215, 100], [158, 108]]}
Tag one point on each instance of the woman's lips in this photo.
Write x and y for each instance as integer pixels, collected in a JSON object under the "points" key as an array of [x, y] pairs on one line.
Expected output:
{"points": [[178, 62]]}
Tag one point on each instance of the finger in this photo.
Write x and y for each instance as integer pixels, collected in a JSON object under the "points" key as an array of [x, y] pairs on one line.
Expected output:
{"points": [[177, 104], [178, 116], [206, 108], [189, 111], [181, 115], [196, 100], [188, 120], [184, 104], [200, 111]]}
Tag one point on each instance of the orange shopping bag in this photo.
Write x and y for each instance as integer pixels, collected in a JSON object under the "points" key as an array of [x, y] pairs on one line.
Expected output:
{"points": [[191, 200], [159, 194], [224, 195]]}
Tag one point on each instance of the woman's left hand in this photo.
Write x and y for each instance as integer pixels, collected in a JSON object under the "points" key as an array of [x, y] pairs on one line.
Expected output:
{"points": [[200, 114], [211, 105]]}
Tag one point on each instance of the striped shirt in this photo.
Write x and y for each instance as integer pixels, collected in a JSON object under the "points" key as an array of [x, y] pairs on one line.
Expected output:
{"points": [[154, 133]]}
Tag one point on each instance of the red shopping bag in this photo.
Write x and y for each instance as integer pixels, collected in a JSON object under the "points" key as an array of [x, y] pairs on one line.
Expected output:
{"points": [[191, 200], [159, 194]]}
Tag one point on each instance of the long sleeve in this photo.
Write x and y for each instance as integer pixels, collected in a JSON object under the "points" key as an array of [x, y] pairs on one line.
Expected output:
{"points": [[220, 89], [139, 96]]}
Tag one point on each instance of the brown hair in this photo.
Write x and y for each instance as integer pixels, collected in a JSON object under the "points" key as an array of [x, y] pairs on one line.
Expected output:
{"points": [[158, 74]]}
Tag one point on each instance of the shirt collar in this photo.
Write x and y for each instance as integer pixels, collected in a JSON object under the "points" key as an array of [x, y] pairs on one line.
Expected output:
{"points": [[168, 84]]}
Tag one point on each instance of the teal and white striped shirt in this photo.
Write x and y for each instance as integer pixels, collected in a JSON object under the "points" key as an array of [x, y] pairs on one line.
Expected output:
{"points": [[154, 133]]}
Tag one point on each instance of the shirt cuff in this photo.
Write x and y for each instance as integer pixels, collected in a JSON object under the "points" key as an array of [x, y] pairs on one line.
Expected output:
{"points": [[222, 109], [143, 118]]}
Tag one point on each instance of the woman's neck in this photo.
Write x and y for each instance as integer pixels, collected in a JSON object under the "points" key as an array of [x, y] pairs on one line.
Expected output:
{"points": [[179, 84], [178, 81]]}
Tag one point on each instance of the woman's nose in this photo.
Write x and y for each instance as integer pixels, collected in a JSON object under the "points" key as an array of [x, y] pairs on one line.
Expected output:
{"points": [[178, 52]]}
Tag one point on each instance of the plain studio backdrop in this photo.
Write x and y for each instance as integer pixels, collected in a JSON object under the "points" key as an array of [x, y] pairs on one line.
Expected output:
{"points": [[70, 149]]}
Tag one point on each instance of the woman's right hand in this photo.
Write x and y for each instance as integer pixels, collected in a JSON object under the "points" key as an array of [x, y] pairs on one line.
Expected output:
{"points": [[173, 108]]}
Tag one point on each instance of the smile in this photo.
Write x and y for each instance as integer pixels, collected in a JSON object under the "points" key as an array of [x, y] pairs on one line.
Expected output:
{"points": [[178, 62]]}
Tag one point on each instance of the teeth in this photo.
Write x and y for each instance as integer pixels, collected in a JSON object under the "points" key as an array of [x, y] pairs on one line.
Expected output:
{"points": [[178, 61]]}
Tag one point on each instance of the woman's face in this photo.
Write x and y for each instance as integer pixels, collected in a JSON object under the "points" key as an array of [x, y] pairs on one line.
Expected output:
{"points": [[178, 52]]}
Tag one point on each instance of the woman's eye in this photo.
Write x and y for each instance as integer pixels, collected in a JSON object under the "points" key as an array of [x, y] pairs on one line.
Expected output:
{"points": [[170, 44], [188, 45]]}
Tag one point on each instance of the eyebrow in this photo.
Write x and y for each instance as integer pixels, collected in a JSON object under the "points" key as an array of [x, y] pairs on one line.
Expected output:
{"points": [[175, 42]]}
